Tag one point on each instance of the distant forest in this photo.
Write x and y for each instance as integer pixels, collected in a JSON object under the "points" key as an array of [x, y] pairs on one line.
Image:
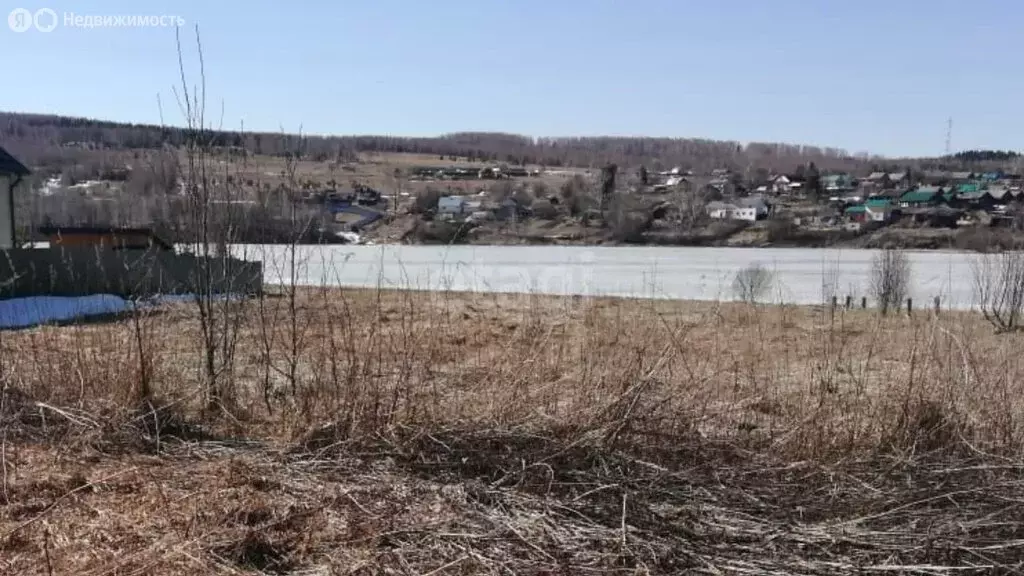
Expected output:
{"points": [[35, 136], [38, 139]]}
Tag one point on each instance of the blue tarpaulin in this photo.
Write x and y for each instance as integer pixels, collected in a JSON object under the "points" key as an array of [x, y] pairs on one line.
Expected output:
{"points": [[23, 312], [35, 310]]}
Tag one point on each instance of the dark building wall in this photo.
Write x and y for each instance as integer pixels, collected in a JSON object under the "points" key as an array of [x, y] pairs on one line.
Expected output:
{"points": [[119, 240], [80, 271]]}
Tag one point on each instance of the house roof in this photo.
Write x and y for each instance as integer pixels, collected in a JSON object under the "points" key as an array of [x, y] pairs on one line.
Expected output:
{"points": [[103, 230], [876, 176], [920, 196], [961, 175], [897, 175], [972, 195], [716, 205], [752, 202], [998, 192], [941, 210], [858, 209], [10, 165], [877, 203]]}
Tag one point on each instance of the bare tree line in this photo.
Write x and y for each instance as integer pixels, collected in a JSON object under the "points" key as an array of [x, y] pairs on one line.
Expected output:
{"points": [[39, 138]]}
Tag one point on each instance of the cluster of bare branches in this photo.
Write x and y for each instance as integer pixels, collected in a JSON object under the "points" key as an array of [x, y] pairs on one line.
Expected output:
{"points": [[999, 289], [890, 279], [753, 283]]}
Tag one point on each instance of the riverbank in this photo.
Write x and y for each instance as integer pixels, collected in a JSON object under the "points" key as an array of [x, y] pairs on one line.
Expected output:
{"points": [[765, 234], [368, 431]]}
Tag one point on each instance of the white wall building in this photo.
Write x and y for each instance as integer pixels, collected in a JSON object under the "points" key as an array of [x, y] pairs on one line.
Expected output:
{"points": [[748, 209]]}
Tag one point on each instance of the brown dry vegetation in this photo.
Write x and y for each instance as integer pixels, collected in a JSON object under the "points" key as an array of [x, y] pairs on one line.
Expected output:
{"points": [[442, 433]]}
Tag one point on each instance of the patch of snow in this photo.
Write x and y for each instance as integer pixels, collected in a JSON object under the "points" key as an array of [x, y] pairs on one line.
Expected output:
{"points": [[350, 237]]}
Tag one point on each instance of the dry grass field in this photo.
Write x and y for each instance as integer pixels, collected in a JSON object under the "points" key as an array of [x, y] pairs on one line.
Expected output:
{"points": [[376, 170], [386, 432]]}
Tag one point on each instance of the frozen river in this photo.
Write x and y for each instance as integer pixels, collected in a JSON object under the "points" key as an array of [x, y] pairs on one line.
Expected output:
{"points": [[801, 276]]}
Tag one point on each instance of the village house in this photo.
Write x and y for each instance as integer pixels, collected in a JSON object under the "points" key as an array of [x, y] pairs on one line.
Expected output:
{"points": [[13, 181], [886, 180], [936, 177], [104, 236], [834, 183], [897, 180], [1004, 194], [780, 184], [873, 210], [749, 209], [940, 216], [973, 196], [720, 210], [922, 196]]}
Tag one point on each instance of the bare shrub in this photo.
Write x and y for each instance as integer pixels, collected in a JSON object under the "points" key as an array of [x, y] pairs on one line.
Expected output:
{"points": [[426, 200], [752, 283], [890, 278], [544, 209], [999, 289], [782, 229], [576, 195], [627, 220]]}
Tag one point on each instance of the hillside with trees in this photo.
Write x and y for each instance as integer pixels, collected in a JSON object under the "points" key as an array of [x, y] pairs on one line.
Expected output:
{"points": [[36, 137]]}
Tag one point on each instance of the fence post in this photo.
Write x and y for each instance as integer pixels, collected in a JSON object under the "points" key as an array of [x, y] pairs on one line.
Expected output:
{"points": [[910, 306], [937, 306], [849, 301], [864, 302]]}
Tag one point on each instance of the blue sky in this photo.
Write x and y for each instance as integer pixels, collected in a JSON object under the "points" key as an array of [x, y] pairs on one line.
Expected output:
{"points": [[866, 75]]}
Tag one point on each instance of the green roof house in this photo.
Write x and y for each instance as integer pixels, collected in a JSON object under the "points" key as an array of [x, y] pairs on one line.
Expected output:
{"points": [[873, 210], [922, 196]]}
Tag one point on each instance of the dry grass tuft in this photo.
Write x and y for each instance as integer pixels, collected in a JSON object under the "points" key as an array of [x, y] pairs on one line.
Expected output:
{"points": [[443, 433]]}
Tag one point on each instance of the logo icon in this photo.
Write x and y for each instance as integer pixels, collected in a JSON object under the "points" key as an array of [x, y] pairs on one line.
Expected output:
{"points": [[21, 19], [45, 19]]}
